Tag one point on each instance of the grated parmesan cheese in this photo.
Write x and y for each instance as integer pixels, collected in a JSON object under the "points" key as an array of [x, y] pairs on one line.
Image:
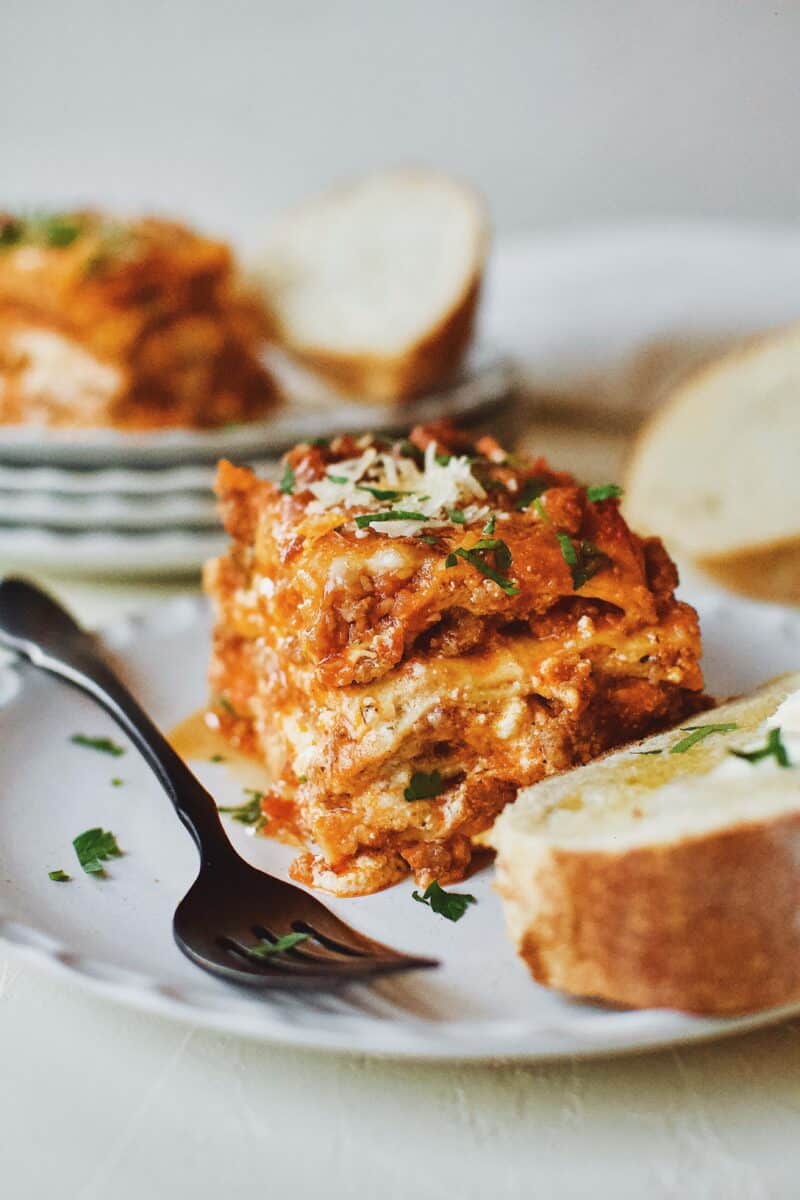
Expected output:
{"points": [[431, 491]]}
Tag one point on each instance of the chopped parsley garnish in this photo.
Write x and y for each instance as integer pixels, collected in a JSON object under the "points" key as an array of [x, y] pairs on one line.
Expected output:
{"points": [[422, 786], [117, 782], [320, 442], [217, 758], [10, 231], [337, 478], [289, 940], [429, 540], [774, 748], [568, 551], [583, 561], [451, 905], [224, 703], [646, 753], [59, 231], [698, 733], [475, 556], [288, 481], [103, 744], [56, 230], [603, 491], [381, 493], [490, 524], [409, 450], [249, 812], [93, 848], [443, 459], [456, 515], [531, 491], [502, 554], [59, 876], [398, 515]]}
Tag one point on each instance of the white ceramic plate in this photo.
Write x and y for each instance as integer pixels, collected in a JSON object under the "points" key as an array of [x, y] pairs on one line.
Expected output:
{"points": [[114, 934], [485, 381], [108, 481], [109, 511], [157, 553]]}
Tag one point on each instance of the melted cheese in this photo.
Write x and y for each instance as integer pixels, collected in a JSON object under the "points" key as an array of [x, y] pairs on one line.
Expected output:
{"points": [[58, 371]]}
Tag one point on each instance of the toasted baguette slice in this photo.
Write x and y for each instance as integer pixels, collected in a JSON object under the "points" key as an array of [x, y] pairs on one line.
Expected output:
{"points": [[716, 472], [665, 879], [375, 285]]}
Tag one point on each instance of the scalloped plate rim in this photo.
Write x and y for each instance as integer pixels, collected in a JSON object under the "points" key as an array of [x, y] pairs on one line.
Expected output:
{"points": [[589, 1032]]}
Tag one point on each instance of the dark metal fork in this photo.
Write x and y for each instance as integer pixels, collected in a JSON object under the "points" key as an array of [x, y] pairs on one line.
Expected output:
{"points": [[230, 903]]}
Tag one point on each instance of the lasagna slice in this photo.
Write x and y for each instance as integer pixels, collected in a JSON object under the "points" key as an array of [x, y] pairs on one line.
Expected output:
{"points": [[408, 632], [136, 325]]}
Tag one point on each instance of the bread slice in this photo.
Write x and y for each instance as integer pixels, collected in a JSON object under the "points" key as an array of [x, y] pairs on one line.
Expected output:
{"points": [[657, 878], [716, 472], [376, 284]]}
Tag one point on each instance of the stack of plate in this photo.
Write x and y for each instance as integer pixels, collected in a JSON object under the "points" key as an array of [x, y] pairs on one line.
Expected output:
{"points": [[103, 502]]}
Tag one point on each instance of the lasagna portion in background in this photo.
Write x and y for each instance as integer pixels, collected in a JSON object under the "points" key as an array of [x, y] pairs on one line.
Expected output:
{"points": [[135, 325], [407, 632]]}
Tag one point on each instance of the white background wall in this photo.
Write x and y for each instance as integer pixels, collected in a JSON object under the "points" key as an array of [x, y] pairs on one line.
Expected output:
{"points": [[564, 111]]}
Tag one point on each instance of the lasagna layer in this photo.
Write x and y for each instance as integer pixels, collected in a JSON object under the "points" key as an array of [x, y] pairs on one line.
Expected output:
{"points": [[398, 701], [136, 325]]}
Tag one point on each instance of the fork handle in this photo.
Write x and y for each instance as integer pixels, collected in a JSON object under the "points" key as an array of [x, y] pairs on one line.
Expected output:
{"points": [[35, 626]]}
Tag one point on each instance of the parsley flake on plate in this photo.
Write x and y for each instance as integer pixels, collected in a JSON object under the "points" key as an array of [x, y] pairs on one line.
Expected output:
{"points": [[698, 733], [288, 481], [773, 748], [103, 744], [267, 949], [603, 491], [249, 812], [422, 786], [59, 876], [117, 782], [451, 905], [93, 848]]}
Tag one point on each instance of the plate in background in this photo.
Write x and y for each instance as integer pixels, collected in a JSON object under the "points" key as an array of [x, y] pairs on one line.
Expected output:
{"points": [[598, 320], [114, 934], [486, 381]]}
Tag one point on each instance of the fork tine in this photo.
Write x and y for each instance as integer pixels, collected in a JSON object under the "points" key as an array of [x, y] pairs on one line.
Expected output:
{"points": [[312, 950], [283, 966], [322, 924], [337, 946]]}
